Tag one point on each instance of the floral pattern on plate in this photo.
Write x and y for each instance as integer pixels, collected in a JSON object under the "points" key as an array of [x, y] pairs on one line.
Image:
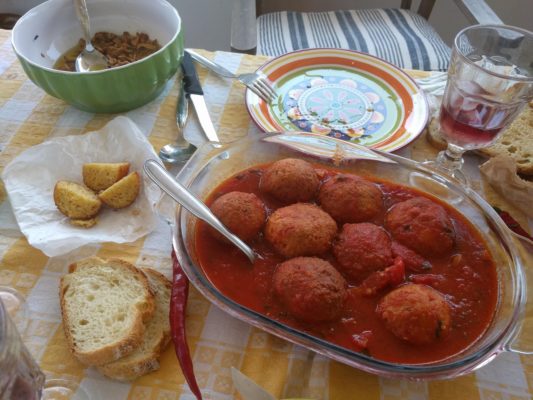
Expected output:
{"points": [[335, 106]]}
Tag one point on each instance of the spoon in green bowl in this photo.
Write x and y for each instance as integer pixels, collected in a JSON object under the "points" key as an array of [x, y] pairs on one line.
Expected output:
{"points": [[89, 59]]}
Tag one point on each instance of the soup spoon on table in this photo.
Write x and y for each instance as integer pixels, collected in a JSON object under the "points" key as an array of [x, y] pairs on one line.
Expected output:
{"points": [[89, 59], [181, 150], [162, 178]]}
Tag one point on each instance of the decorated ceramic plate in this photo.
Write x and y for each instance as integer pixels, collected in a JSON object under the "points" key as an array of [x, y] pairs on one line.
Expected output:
{"points": [[343, 94]]}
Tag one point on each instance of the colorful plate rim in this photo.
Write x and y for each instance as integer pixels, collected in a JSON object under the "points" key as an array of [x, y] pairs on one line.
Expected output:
{"points": [[416, 110]]}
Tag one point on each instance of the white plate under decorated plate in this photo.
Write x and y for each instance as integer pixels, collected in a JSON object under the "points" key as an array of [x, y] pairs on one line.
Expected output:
{"points": [[343, 94]]}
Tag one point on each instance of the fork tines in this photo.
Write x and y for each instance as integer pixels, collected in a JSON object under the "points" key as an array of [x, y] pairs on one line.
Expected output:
{"points": [[262, 87]]}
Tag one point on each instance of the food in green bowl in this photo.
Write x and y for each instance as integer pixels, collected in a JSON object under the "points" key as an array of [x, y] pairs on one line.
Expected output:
{"points": [[117, 49], [49, 30]]}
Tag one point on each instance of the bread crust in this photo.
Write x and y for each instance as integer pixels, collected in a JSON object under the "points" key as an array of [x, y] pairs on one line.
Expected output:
{"points": [[126, 344], [128, 369], [433, 135], [516, 142], [122, 193], [163, 280], [129, 372], [84, 223], [100, 176]]}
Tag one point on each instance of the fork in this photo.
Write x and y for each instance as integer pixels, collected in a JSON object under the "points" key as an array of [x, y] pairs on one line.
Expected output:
{"points": [[256, 82]]}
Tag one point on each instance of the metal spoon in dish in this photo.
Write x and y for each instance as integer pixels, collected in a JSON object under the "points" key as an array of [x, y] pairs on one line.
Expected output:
{"points": [[89, 59], [181, 150], [162, 178]]}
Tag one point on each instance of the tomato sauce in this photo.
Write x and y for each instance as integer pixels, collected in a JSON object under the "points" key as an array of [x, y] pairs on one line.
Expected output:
{"points": [[466, 277]]}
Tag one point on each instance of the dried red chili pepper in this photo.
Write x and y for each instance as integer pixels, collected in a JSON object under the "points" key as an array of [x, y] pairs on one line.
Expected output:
{"points": [[178, 307], [512, 223]]}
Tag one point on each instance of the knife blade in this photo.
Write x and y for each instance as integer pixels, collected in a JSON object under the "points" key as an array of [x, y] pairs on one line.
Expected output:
{"points": [[194, 92]]}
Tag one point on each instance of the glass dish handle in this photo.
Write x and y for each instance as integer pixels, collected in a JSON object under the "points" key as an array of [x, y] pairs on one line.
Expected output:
{"points": [[522, 341]]}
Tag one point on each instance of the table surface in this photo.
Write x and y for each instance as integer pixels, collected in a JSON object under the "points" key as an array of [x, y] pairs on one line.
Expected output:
{"points": [[28, 116]]}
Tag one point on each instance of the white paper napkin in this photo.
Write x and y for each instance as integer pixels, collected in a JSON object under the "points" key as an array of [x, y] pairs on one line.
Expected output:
{"points": [[30, 180], [500, 172]]}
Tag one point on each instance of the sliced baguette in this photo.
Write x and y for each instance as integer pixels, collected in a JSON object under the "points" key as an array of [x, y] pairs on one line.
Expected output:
{"points": [[104, 304], [100, 176], [145, 358], [123, 193]]}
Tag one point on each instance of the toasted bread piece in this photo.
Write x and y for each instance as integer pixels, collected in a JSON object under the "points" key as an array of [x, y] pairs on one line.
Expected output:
{"points": [[104, 304], [145, 358], [76, 201], [517, 142], [123, 193], [84, 223], [100, 176], [433, 135]]}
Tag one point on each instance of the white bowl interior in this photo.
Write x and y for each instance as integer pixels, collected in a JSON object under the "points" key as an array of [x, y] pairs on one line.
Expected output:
{"points": [[51, 28]]}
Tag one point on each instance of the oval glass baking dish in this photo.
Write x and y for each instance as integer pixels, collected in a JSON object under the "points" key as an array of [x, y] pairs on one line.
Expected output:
{"points": [[213, 163]]}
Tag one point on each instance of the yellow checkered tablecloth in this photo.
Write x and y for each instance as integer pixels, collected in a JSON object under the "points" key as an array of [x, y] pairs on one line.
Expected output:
{"points": [[28, 116]]}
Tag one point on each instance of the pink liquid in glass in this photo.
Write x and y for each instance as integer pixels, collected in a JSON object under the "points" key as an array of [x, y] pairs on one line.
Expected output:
{"points": [[469, 120], [462, 130]]}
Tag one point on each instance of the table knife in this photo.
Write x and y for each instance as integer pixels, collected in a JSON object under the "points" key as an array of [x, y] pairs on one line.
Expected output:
{"points": [[194, 92]]}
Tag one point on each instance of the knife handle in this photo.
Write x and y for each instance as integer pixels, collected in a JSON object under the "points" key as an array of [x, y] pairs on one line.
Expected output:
{"points": [[190, 78]]}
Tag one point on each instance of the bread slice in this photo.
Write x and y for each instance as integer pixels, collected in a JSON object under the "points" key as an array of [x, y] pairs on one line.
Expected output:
{"points": [[145, 358], [76, 201], [100, 176], [123, 193], [516, 142], [104, 304]]}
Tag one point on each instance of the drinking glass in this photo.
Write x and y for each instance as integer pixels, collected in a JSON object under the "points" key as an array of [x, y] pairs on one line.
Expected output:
{"points": [[15, 305], [490, 80], [20, 376]]}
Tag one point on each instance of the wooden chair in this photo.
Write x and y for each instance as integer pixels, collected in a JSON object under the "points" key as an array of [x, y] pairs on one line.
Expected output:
{"points": [[400, 36]]}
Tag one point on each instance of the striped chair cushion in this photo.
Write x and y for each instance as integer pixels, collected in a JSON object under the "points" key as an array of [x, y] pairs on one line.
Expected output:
{"points": [[401, 37]]}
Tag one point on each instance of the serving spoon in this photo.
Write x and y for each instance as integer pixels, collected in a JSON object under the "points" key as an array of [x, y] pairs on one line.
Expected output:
{"points": [[162, 178], [89, 59]]}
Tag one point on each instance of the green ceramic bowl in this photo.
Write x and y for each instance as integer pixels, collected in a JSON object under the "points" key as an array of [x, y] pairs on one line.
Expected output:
{"points": [[50, 29]]}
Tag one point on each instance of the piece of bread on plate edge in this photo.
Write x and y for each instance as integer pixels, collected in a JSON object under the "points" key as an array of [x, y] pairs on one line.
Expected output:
{"points": [[145, 358], [104, 305]]}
